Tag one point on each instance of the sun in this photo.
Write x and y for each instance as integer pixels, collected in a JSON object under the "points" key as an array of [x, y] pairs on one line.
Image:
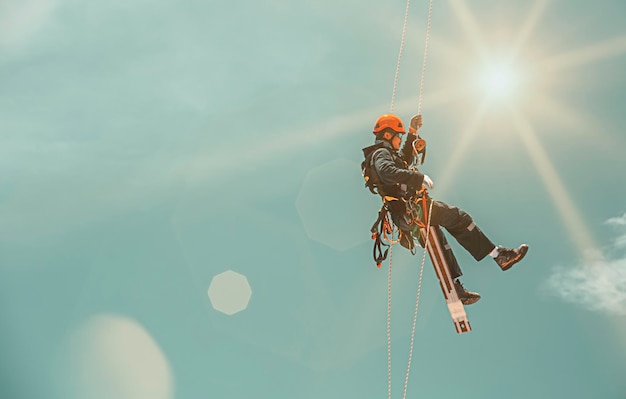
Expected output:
{"points": [[514, 88], [500, 81]]}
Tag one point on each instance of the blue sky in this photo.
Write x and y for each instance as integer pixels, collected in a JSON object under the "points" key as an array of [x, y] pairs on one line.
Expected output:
{"points": [[152, 150]]}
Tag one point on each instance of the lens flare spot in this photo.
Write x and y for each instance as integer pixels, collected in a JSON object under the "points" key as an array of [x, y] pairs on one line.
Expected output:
{"points": [[112, 356]]}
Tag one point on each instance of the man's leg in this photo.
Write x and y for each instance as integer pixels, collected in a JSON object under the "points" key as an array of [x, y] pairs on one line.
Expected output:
{"points": [[461, 226]]}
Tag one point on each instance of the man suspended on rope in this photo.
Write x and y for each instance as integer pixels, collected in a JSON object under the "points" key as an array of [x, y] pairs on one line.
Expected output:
{"points": [[387, 173]]}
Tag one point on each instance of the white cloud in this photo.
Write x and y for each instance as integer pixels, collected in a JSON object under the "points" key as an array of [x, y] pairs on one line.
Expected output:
{"points": [[598, 282], [617, 221]]}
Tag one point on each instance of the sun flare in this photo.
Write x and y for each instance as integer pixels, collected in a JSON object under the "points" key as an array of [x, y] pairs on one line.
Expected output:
{"points": [[515, 88], [500, 81]]}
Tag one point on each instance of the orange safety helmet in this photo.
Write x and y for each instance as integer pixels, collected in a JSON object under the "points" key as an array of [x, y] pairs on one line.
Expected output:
{"points": [[389, 121]]}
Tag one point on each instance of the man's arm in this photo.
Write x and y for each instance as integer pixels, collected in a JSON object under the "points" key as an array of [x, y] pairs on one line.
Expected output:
{"points": [[406, 152], [390, 174]]}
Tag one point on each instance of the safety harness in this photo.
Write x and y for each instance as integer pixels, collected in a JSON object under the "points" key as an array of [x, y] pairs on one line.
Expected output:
{"points": [[414, 203]]}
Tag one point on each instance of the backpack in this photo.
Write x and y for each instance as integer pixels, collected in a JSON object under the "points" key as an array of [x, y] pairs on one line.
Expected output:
{"points": [[372, 181]]}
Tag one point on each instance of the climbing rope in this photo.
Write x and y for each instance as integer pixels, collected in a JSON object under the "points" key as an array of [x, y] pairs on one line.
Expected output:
{"points": [[417, 299], [426, 40], [417, 302], [391, 241], [395, 79], [389, 323], [402, 41]]}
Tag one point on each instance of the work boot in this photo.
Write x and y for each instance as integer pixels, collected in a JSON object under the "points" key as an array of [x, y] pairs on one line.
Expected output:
{"points": [[466, 297], [508, 257]]}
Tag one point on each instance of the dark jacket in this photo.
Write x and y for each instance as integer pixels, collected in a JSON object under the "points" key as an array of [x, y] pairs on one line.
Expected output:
{"points": [[391, 167], [394, 178]]}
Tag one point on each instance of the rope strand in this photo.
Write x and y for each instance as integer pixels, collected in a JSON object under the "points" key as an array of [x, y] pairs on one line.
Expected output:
{"points": [[426, 40], [389, 324], [419, 284], [400, 52], [395, 80], [417, 302]]}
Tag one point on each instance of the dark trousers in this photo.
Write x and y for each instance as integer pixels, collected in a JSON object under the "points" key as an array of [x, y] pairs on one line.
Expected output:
{"points": [[460, 226]]}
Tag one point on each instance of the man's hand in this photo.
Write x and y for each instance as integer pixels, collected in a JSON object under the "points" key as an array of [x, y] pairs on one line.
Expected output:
{"points": [[428, 182], [416, 123]]}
